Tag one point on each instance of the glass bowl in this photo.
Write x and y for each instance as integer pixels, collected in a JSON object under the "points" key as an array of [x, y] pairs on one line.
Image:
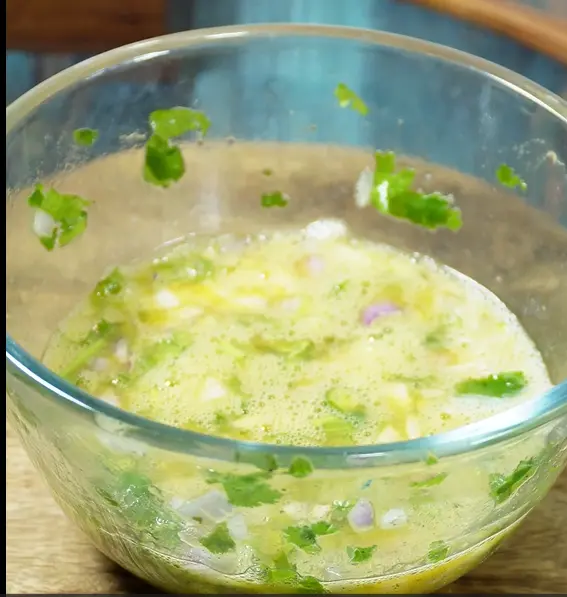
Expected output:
{"points": [[268, 91]]}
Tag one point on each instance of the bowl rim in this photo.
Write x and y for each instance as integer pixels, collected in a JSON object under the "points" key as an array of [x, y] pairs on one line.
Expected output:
{"points": [[499, 428]]}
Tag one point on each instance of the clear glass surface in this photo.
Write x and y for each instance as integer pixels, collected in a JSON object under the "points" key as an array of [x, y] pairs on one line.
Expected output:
{"points": [[268, 91]]}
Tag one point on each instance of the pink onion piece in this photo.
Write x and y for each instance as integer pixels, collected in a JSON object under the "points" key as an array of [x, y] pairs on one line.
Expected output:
{"points": [[377, 310], [315, 265], [100, 364], [361, 517]]}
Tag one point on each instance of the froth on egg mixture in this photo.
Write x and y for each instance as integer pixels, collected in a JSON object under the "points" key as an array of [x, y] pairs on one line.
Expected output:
{"points": [[308, 337]]}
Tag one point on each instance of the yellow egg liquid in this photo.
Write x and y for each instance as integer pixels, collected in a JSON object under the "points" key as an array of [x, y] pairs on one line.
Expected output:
{"points": [[306, 337]]}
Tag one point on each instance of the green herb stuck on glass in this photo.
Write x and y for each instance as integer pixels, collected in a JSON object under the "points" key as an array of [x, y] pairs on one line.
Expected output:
{"points": [[59, 218], [164, 163], [389, 191]]}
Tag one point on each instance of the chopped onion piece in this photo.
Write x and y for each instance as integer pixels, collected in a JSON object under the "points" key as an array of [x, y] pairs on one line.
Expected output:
{"points": [[326, 229], [212, 389], [382, 189], [43, 224], [111, 435], [413, 428], [237, 527], [189, 312], [388, 436], [213, 505], [361, 517], [378, 310], [122, 445], [112, 432], [109, 397], [363, 188], [251, 302], [332, 573], [121, 351], [176, 502], [200, 560], [166, 299], [297, 510], [319, 512], [315, 264], [396, 517], [291, 304], [100, 364], [398, 392]]}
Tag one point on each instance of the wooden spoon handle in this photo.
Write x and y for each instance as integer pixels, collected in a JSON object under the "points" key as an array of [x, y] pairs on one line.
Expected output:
{"points": [[532, 28]]}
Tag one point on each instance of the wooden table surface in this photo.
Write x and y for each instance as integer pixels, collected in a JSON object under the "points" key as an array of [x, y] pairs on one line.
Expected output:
{"points": [[46, 554]]}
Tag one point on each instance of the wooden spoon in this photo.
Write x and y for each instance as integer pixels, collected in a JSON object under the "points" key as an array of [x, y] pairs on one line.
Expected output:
{"points": [[533, 28]]}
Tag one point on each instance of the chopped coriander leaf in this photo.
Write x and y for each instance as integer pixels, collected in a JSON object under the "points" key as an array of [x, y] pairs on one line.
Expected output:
{"points": [[293, 349], [342, 400], [391, 194], [275, 199], [110, 285], [50, 241], [152, 355], [222, 421], [303, 537], [283, 576], [431, 459], [247, 491], [102, 329], [322, 528], [347, 98], [267, 172], [357, 555], [339, 288], [196, 269], [85, 137], [413, 380], [431, 481], [281, 562], [337, 431], [141, 504], [266, 462], [178, 121], [309, 584], [438, 551], [385, 172], [499, 385], [502, 486], [66, 216], [437, 338], [234, 383], [507, 176], [339, 512], [163, 163], [283, 571], [102, 334], [219, 540], [421, 497], [300, 467], [430, 211]]}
